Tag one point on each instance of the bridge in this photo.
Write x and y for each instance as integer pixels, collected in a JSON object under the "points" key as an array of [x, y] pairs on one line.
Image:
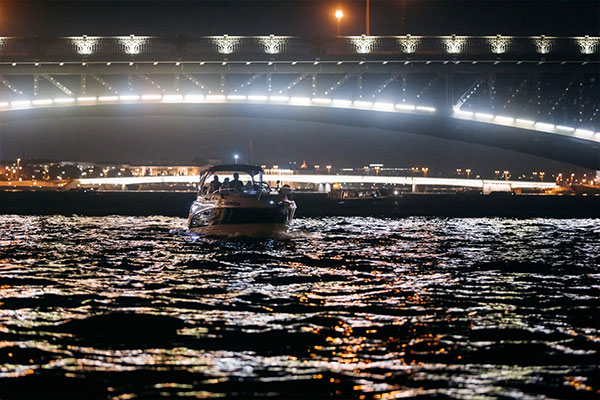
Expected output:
{"points": [[537, 95]]}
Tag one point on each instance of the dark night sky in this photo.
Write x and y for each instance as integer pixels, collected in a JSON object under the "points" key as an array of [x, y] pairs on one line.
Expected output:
{"points": [[181, 139]]}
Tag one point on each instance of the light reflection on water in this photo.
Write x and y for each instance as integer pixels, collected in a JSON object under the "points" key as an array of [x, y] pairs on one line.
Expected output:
{"points": [[120, 307]]}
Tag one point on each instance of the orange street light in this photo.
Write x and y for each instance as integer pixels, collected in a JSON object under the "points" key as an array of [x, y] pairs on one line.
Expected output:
{"points": [[339, 14]]}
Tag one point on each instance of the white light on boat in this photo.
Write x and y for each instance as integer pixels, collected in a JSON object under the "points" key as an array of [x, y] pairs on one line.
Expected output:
{"points": [[363, 104], [483, 116], [86, 99], [341, 102], [236, 97], [318, 100], [151, 97], [4, 104], [131, 97], [405, 107], [108, 98], [524, 121], [279, 99], [64, 100], [257, 98], [504, 120], [42, 102], [541, 125], [425, 108], [564, 128]]}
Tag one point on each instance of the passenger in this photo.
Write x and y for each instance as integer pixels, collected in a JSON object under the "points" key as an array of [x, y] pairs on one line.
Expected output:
{"points": [[236, 184], [248, 187], [215, 184], [226, 183]]}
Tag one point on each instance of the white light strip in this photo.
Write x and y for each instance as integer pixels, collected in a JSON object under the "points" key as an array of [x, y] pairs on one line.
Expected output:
{"points": [[257, 98], [362, 104], [151, 97], [20, 103], [525, 121], [215, 97], [236, 97], [279, 99], [544, 126], [318, 100], [483, 116], [131, 97], [108, 98], [300, 100], [194, 98], [383, 106], [43, 102], [504, 120], [405, 107], [424, 108], [64, 100], [584, 132], [86, 99], [173, 97], [4, 104], [564, 128], [341, 102]]}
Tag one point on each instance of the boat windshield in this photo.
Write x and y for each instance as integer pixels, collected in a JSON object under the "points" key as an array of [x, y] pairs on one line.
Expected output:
{"points": [[232, 181]]}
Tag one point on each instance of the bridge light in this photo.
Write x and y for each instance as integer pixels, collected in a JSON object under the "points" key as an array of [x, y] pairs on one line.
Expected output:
{"points": [[541, 125], [584, 132], [299, 100], [362, 104], [108, 98], [503, 119], [64, 100], [524, 121], [20, 103], [463, 113], [42, 102], [258, 98], [405, 107], [483, 116], [383, 106], [172, 97], [341, 102], [318, 100], [147, 97], [279, 99], [425, 108], [86, 99], [564, 128], [129, 98], [235, 97], [215, 97]]}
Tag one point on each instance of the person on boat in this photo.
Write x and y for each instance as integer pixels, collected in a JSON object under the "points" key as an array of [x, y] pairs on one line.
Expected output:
{"points": [[215, 184], [236, 184], [225, 184]]}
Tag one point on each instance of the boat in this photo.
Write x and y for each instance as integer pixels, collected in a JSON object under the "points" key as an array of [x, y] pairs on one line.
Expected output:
{"points": [[234, 200]]}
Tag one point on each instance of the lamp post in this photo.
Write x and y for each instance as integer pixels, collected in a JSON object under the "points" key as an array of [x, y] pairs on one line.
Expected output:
{"points": [[236, 156], [339, 14]]}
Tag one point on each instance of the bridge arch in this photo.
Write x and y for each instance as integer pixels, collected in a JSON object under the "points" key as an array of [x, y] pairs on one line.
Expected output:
{"points": [[577, 147]]}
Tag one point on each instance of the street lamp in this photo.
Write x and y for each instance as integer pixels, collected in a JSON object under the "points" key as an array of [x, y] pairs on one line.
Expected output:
{"points": [[339, 14], [328, 169], [236, 156]]}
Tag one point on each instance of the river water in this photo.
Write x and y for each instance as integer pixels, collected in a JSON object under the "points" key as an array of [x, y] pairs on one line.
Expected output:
{"points": [[126, 307]]}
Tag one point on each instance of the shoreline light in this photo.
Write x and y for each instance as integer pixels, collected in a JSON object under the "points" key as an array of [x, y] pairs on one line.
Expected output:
{"points": [[425, 108], [483, 116], [341, 102], [151, 97], [544, 126], [42, 102], [108, 98], [279, 99], [86, 99], [405, 107], [504, 120], [129, 97], [64, 100], [525, 121]]}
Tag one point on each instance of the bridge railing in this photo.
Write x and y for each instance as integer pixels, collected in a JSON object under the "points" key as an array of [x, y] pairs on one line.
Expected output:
{"points": [[453, 47]]}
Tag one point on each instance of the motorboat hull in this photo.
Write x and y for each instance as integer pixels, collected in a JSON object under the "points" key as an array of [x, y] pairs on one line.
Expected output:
{"points": [[241, 215]]}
